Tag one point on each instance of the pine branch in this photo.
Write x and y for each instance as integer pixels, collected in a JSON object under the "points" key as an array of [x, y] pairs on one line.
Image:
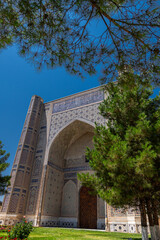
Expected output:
{"points": [[110, 34], [137, 24], [118, 25], [85, 26]]}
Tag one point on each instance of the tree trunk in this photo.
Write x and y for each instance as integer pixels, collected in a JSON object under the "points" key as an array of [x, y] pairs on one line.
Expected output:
{"points": [[155, 220], [143, 220], [150, 218]]}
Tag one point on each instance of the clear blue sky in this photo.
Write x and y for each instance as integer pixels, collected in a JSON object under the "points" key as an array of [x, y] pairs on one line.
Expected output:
{"points": [[19, 81]]}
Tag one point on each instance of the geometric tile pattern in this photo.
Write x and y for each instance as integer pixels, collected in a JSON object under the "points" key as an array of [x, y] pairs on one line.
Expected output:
{"points": [[5, 202], [22, 204], [90, 113], [77, 101], [119, 212], [37, 167], [14, 202], [118, 228]]}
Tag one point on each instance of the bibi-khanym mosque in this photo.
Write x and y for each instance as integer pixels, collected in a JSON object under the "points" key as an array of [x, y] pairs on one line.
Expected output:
{"points": [[51, 151]]}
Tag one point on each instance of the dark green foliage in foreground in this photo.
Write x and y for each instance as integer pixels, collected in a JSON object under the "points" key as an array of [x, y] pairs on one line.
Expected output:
{"points": [[4, 180], [21, 230], [73, 234], [81, 34], [126, 151]]}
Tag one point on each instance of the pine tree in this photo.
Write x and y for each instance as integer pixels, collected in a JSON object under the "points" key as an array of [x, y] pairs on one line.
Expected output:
{"points": [[4, 180], [125, 157], [50, 33]]}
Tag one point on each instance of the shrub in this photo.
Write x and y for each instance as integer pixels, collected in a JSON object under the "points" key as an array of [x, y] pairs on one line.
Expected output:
{"points": [[4, 228], [21, 230]]}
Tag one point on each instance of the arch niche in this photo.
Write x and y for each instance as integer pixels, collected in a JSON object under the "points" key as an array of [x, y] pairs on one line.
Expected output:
{"points": [[66, 137], [66, 157]]}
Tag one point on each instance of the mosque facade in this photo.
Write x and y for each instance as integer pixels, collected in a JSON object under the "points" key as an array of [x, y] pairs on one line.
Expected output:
{"points": [[51, 151]]}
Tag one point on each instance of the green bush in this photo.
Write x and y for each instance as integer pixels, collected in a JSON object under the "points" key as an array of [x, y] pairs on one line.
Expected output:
{"points": [[21, 230], [4, 228]]}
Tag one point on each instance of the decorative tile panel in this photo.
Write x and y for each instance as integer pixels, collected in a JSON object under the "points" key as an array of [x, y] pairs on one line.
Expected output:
{"points": [[88, 113], [13, 202], [78, 101], [37, 167], [70, 175], [5, 203], [55, 166], [76, 169], [132, 228], [119, 212], [52, 193], [22, 204], [68, 224], [32, 199], [50, 224], [118, 227]]}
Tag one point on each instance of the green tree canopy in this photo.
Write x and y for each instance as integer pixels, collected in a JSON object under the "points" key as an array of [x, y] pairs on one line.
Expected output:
{"points": [[4, 180], [82, 34], [125, 157]]}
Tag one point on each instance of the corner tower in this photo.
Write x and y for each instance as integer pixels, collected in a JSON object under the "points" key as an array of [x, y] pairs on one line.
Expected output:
{"points": [[14, 203]]}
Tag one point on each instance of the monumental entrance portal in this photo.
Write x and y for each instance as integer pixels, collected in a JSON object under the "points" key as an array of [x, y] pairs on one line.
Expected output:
{"points": [[51, 151]]}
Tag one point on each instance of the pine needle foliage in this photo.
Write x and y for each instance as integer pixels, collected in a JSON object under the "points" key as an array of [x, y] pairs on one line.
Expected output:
{"points": [[84, 34], [126, 153], [4, 180]]}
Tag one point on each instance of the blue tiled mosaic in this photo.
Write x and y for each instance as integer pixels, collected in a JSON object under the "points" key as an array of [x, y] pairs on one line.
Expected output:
{"points": [[78, 101], [81, 168]]}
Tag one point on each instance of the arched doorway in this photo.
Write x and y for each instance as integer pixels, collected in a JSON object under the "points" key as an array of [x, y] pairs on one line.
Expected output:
{"points": [[87, 209], [66, 156]]}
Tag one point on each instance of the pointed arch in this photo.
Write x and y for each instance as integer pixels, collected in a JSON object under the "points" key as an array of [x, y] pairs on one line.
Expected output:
{"points": [[89, 123], [69, 200], [65, 138]]}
